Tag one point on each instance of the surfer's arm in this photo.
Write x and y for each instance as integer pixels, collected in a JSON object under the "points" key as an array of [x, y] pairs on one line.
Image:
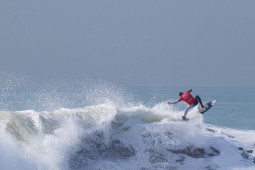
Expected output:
{"points": [[172, 102], [180, 99]]}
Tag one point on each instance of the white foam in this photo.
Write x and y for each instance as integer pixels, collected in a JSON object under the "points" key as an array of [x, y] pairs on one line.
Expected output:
{"points": [[54, 140]]}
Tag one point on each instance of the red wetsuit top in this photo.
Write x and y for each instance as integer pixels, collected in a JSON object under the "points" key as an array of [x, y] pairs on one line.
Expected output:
{"points": [[187, 97]]}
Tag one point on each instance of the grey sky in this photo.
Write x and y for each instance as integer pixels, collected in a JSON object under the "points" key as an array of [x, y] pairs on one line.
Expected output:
{"points": [[144, 42]]}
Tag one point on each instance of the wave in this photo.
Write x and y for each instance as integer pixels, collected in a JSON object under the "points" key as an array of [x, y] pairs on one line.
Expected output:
{"points": [[107, 136]]}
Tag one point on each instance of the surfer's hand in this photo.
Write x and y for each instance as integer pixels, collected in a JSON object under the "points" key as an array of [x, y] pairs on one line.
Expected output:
{"points": [[168, 103]]}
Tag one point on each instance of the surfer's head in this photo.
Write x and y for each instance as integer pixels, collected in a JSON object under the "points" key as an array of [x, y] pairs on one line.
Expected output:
{"points": [[180, 93]]}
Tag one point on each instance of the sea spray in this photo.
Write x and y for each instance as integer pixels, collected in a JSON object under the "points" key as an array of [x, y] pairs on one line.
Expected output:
{"points": [[105, 136], [100, 126]]}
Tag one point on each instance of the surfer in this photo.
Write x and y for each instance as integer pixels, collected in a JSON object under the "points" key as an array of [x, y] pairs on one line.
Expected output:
{"points": [[188, 98]]}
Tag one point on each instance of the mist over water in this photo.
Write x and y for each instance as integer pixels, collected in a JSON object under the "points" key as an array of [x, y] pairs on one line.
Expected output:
{"points": [[97, 125], [73, 123]]}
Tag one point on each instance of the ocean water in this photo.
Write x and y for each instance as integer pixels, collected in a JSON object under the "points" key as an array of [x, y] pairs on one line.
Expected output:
{"points": [[66, 126], [233, 107]]}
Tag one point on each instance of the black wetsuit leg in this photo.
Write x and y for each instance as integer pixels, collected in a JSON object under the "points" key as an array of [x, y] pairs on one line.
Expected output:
{"points": [[199, 99]]}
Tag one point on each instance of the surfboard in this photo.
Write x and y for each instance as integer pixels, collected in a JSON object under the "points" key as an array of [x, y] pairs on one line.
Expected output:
{"points": [[199, 110], [206, 107]]}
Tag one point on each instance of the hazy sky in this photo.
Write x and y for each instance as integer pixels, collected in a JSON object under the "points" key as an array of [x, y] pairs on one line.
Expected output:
{"points": [[144, 42]]}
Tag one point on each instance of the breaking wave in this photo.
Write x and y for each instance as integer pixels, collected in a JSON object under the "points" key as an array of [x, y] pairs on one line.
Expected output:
{"points": [[108, 137], [108, 130]]}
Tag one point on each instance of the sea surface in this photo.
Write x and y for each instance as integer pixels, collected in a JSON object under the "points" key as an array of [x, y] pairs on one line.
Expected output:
{"points": [[65, 126]]}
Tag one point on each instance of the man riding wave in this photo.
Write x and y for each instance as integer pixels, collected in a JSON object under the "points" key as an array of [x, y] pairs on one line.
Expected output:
{"points": [[188, 98]]}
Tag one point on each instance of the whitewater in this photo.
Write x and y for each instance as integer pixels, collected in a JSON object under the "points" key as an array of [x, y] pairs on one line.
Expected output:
{"points": [[111, 133]]}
